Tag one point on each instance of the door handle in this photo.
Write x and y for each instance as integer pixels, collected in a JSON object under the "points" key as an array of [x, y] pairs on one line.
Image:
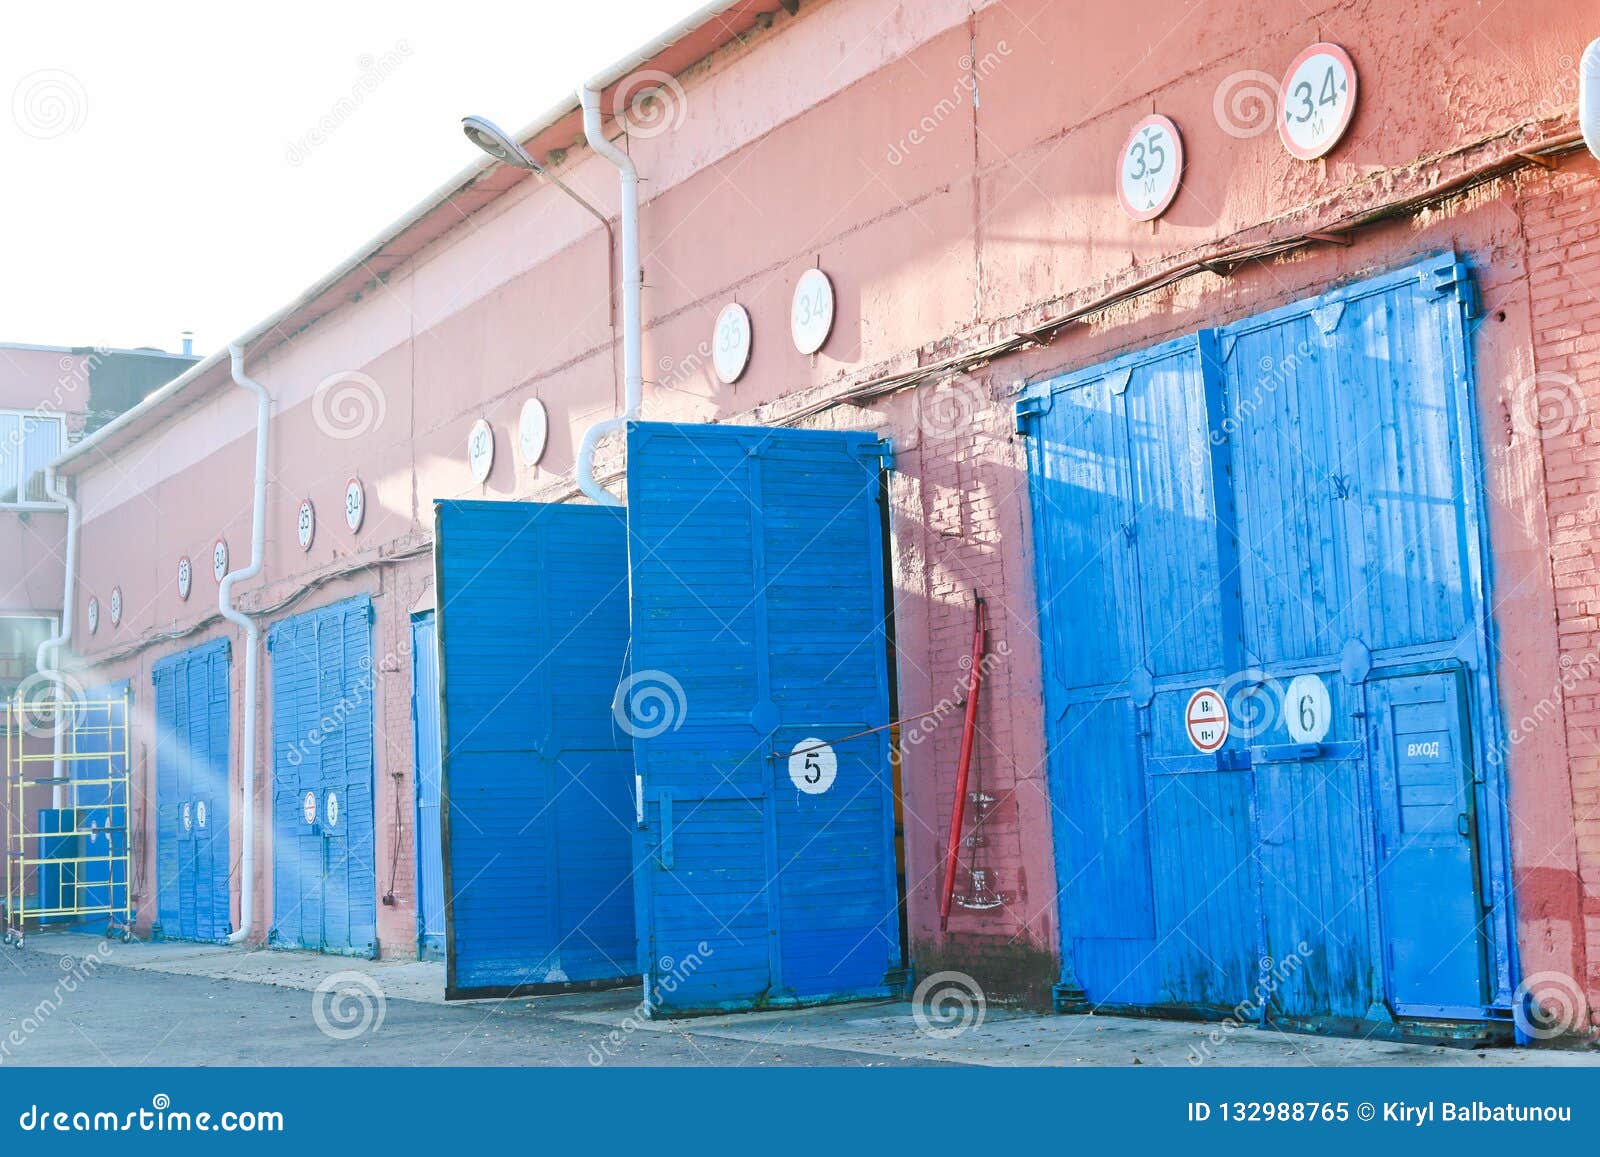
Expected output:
{"points": [[1286, 753], [1464, 825]]}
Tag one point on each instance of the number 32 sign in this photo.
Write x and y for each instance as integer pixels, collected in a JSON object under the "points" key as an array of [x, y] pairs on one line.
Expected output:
{"points": [[1150, 168], [1316, 101]]}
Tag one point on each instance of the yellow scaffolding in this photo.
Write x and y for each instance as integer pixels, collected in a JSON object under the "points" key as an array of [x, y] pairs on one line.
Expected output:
{"points": [[67, 863]]}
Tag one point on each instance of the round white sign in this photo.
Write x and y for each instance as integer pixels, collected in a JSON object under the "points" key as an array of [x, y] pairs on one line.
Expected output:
{"points": [[200, 813], [305, 524], [1307, 709], [480, 450], [1205, 720], [1150, 168], [1316, 101], [730, 343], [330, 809], [116, 606], [813, 766], [219, 559], [811, 312], [533, 429], [355, 504], [93, 612], [188, 818], [308, 807], [185, 577]]}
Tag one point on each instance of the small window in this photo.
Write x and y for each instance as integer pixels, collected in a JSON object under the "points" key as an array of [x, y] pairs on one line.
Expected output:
{"points": [[19, 644], [28, 443]]}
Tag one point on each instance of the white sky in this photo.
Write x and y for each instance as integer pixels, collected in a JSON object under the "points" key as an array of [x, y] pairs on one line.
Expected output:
{"points": [[148, 175]]}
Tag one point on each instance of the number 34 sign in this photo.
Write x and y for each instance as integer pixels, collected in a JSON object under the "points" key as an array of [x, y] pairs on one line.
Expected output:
{"points": [[1316, 101], [1149, 169]]}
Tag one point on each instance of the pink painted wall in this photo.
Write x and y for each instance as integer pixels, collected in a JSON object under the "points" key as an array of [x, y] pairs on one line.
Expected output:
{"points": [[850, 135]]}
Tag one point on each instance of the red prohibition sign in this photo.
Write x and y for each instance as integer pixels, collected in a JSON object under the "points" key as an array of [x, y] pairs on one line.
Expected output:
{"points": [[1206, 720]]}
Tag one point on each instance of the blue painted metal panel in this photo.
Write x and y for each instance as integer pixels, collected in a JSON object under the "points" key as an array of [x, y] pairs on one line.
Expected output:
{"points": [[758, 610], [1232, 510], [425, 740], [99, 726], [537, 776], [193, 779], [324, 883]]}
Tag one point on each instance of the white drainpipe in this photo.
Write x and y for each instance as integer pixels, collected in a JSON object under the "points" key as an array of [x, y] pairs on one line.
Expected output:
{"points": [[48, 656], [1589, 97], [252, 643], [632, 278]]}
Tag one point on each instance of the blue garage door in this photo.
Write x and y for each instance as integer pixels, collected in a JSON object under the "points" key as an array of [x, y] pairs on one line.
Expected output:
{"points": [[1286, 512], [765, 860], [192, 793], [100, 765], [425, 741], [323, 883], [538, 778]]}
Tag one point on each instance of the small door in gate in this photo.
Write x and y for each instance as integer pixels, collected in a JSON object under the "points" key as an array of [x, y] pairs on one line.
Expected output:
{"points": [[1432, 913], [765, 860], [192, 711], [324, 884]]}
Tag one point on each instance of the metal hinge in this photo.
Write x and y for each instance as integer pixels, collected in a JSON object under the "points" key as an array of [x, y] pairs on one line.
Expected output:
{"points": [[1456, 279], [1030, 408], [882, 450]]}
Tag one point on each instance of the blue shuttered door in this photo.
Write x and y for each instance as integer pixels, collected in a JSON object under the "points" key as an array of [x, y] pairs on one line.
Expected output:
{"points": [[425, 737], [192, 793], [1289, 503], [324, 884], [758, 628], [537, 775]]}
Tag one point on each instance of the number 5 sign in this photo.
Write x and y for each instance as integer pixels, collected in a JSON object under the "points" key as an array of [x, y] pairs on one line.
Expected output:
{"points": [[1316, 101], [1150, 168]]}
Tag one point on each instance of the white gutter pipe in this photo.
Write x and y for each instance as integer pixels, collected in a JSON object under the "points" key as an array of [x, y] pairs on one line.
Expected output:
{"points": [[252, 643], [1589, 97], [48, 656], [632, 279]]}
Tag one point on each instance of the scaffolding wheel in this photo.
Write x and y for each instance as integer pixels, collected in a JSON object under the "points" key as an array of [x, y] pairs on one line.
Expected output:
{"points": [[13, 938]]}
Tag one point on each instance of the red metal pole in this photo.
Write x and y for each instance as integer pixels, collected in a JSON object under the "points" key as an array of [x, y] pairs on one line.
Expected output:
{"points": [[963, 766]]}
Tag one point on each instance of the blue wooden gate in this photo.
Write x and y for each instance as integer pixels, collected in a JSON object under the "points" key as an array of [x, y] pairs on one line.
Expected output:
{"points": [[538, 778], [425, 744], [765, 861], [192, 793], [323, 875], [1287, 511], [99, 732]]}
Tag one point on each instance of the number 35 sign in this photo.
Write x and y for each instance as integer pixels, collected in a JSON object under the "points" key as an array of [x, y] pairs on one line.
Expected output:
{"points": [[1316, 101], [1150, 168]]}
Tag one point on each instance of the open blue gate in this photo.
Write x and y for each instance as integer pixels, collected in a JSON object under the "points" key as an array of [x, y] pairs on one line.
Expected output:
{"points": [[537, 800], [426, 754], [765, 858], [99, 733], [324, 885], [1286, 515], [192, 793]]}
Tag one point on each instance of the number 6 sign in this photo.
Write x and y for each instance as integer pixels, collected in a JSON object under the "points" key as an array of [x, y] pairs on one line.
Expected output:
{"points": [[1150, 168], [1316, 101]]}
